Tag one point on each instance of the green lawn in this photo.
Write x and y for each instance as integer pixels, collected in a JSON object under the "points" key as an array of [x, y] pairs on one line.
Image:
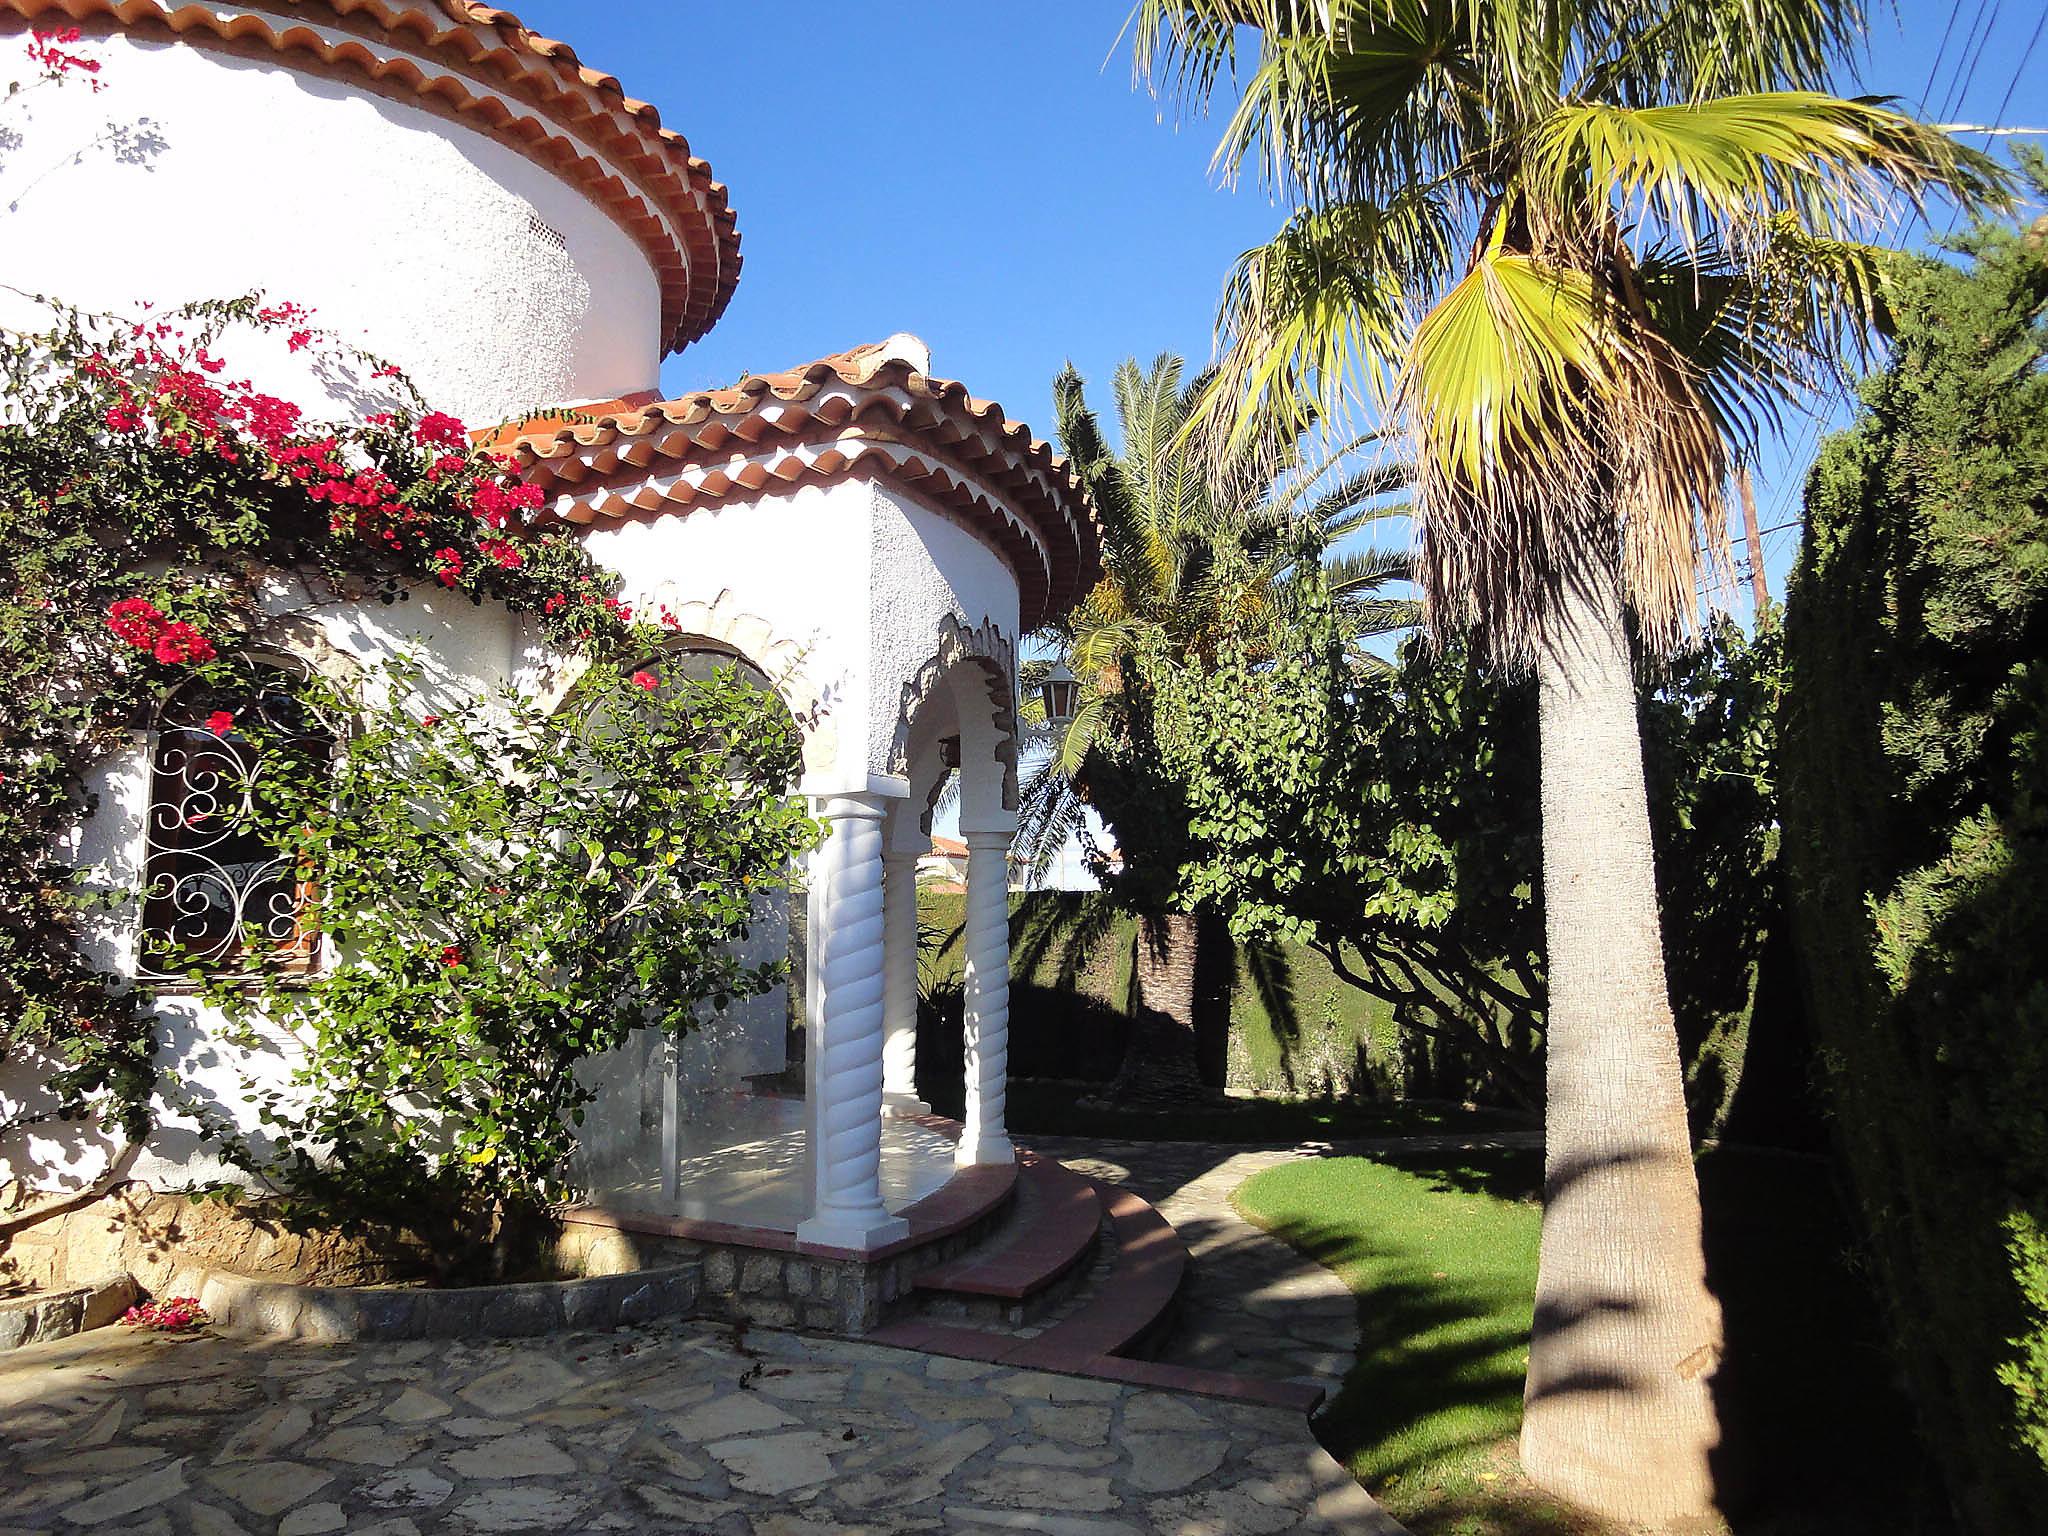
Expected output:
{"points": [[1443, 1257], [1441, 1251]]}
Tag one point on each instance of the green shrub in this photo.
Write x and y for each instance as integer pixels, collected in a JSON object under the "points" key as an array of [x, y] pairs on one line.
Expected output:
{"points": [[1916, 836]]}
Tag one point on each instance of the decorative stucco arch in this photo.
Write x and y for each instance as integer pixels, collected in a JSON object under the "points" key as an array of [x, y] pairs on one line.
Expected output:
{"points": [[983, 652], [723, 623]]}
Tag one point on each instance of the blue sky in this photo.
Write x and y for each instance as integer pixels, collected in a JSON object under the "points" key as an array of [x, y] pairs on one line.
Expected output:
{"points": [[986, 176]]}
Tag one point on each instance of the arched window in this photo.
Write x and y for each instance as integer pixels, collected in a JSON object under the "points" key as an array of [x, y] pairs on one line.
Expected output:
{"points": [[208, 873]]}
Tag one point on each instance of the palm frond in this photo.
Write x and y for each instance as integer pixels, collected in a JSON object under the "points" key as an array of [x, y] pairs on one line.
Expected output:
{"points": [[1545, 423], [1695, 171], [1367, 570], [1318, 318]]}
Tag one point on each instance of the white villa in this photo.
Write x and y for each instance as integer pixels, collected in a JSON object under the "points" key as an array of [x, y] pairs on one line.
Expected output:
{"points": [[450, 190]]}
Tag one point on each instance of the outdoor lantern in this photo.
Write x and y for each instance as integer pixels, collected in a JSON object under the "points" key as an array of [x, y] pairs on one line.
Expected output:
{"points": [[1060, 692]]}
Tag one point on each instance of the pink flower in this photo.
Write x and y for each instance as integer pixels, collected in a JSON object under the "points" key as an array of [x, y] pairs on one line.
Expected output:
{"points": [[220, 722], [646, 679]]}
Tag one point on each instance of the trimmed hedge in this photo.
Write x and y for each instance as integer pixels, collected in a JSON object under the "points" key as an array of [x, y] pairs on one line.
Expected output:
{"points": [[1916, 836], [1295, 1028]]}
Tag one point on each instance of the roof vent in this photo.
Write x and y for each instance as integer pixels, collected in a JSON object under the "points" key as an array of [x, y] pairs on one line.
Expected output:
{"points": [[544, 233], [906, 348]]}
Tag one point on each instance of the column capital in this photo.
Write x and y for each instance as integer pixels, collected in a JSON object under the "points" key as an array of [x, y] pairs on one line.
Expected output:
{"points": [[990, 830], [856, 784]]}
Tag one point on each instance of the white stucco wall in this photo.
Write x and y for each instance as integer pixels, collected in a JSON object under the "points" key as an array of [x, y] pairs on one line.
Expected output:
{"points": [[195, 174], [925, 567], [857, 576]]}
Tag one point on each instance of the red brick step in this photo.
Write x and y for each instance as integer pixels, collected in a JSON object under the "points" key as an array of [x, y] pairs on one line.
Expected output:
{"points": [[1129, 1314], [1057, 1216]]}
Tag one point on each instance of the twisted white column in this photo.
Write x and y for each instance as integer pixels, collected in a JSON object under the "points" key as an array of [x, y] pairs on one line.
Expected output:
{"points": [[845, 1116], [899, 984], [985, 1138]]}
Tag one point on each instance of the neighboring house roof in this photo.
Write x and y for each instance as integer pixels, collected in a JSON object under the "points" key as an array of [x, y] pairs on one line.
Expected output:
{"points": [[478, 66], [948, 847], [871, 412]]}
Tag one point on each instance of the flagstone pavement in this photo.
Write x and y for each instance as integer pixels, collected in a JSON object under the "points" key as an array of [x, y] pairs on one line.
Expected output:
{"points": [[692, 1427], [682, 1428]]}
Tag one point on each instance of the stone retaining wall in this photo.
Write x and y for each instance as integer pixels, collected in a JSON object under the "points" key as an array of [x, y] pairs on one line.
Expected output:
{"points": [[44, 1315], [279, 1309], [776, 1287]]}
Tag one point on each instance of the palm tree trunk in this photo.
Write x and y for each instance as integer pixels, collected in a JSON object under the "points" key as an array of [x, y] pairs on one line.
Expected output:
{"points": [[1619, 1413], [1160, 1066]]}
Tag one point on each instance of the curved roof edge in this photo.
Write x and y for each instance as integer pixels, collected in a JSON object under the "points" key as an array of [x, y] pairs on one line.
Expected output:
{"points": [[872, 413], [479, 66]]}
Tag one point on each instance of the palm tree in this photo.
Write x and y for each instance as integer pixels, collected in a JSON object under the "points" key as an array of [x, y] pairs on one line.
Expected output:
{"points": [[1584, 255], [1191, 552]]}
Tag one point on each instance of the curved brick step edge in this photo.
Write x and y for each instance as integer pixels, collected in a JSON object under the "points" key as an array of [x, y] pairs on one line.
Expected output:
{"points": [[280, 1309], [1051, 1232], [1131, 1312], [34, 1318]]}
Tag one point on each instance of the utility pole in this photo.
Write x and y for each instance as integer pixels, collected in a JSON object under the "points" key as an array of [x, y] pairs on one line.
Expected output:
{"points": [[1758, 590]]}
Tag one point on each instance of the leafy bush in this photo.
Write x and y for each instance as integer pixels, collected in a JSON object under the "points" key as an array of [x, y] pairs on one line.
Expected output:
{"points": [[512, 890], [1389, 821], [1916, 832]]}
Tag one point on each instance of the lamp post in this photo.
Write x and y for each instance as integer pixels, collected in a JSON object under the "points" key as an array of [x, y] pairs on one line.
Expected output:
{"points": [[1059, 691]]}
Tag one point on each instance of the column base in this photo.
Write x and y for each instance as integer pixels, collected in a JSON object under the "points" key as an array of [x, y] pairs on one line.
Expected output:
{"points": [[984, 1152], [898, 1105], [858, 1230]]}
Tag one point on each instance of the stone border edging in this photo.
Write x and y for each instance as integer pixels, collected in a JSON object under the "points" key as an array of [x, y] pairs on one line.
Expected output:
{"points": [[334, 1313], [33, 1318]]}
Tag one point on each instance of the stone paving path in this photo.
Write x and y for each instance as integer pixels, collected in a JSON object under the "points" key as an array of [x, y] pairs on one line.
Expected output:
{"points": [[683, 1428], [1251, 1304]]}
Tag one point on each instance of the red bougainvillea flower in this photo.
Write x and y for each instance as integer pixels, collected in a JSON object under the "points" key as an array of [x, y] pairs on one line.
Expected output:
{"points": [[645, 679], [448, 566], [136, 621], [451, 956], [441, 429], [220, 722], [179, 643], [430, 720], [46, 51], [172, 1316]]}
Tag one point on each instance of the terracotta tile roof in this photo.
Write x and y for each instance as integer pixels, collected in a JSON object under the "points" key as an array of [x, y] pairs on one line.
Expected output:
{"points": [[478, 66], [872, 412], [948, 847]]}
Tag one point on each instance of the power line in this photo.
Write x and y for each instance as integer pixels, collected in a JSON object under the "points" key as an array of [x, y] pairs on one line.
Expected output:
{"points": [[1961, 94], [1927, 90], [2025, 54]]}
